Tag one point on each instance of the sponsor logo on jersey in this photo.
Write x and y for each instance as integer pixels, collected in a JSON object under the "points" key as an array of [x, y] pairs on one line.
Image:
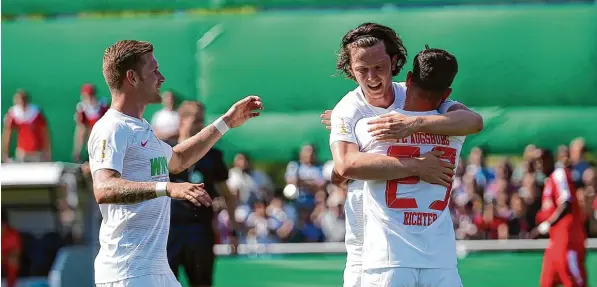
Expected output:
{"points": [[159, 166]]}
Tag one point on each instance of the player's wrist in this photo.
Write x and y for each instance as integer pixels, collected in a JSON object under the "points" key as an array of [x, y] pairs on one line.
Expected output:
{"points": [[413, 166], [161, 189], [222, 124], [544, 227]]}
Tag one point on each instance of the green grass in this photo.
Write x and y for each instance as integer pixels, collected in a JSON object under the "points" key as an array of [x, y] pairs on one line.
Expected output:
{"points": [[315, 270]]}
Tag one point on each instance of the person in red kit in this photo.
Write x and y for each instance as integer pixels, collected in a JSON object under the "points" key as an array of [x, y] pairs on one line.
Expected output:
{"points": [[561, 218], [89, 110], [11, 252], [33, 141]]}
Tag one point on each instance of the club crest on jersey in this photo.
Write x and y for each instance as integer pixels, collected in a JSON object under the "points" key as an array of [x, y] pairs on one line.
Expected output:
{"points": [[342, 127]]}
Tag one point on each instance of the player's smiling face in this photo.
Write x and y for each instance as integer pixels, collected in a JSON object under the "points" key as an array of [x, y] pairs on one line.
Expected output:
{"points": [[152, 79], [372, 69]]}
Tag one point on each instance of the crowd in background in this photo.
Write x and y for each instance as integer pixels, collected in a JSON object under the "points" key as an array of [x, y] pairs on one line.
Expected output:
{"points": [[488, 202]]}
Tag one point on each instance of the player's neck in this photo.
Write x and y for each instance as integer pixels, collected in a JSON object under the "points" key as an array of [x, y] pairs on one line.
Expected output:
{"points": [[128, 106], [418, 103]]}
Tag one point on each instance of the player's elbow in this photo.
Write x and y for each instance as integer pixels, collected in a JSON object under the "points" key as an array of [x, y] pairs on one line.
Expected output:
{"points": [[100, 195], [477, 123], [345, 168]]}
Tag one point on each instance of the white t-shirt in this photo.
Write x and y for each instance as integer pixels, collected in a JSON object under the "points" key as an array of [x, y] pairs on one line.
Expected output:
{"points": [[407, 222], [132, 237], [351, 108]]}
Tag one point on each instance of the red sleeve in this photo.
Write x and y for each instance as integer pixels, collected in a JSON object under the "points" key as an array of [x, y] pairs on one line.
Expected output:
{"points": [[42, 120], [564, 188]]}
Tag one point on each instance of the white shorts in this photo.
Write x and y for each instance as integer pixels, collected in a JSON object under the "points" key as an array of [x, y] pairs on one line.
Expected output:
{"points": [[162, 280], [352, 275], [353, 209], [411, 277]]}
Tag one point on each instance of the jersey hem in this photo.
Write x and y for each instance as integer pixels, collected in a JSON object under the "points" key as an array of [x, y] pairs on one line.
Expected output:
{"points": [[127, 277]]}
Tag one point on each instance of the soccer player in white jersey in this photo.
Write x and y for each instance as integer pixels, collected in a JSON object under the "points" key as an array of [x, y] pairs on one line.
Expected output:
{"points": [[130, 166], [409, 236], [381, 65]]}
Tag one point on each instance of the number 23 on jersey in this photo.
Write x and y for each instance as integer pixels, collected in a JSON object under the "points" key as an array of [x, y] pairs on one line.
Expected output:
{"points": [[392, 186]]}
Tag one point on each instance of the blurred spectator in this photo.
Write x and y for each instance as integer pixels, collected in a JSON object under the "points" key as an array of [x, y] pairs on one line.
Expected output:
{"points": [[577, 159], [247, 183], [33, 141], [503, 180], [258, 225], [477, 167], [88, 111], [307, 176], [165, 121], [11, 251], [563, 156], [331, 219], [279, 219]]}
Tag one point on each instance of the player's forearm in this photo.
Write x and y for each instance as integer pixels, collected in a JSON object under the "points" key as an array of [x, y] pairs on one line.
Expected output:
{"points": [[79, 139], [121, 191], [369, 166], [5, 142], [454, 123], [194, 148]]}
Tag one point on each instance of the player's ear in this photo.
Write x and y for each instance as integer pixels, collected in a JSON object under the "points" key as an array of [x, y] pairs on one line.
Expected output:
{"points": [[409, 77], [446, 94], [394, 60], [131, 76]]}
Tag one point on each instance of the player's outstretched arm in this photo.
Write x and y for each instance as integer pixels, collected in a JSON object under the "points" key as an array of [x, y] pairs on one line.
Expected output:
{"points": [[458, 121], [194, 148], [109, 187], [349, 162]]}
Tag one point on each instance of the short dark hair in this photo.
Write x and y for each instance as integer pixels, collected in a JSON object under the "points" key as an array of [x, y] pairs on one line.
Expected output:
{"points": [[368, 35], [434, 69], [123, 56]]}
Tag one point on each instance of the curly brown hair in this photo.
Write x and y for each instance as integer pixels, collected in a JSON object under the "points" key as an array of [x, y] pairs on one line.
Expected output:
{"points": [[367, 35]]}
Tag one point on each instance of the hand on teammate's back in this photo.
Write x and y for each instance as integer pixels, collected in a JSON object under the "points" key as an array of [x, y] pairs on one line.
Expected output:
{"points": [[326, 119], [390, 127], [243, 110], [434, 170], [188, 191]]}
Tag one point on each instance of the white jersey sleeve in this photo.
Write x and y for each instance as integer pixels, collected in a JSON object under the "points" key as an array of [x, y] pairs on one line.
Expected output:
{"points": [[446, 105], [344, 118], [168, 149], [107, 145]]}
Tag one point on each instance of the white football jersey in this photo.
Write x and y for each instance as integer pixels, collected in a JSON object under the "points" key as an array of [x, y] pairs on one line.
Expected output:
{"points": [[407, 222], [352, 108], [132, 237]]}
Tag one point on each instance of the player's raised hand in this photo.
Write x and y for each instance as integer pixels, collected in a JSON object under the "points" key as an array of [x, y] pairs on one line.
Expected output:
{"points": [[326, 119], [390, 127], [243, 110], [434, 170], [188, 191]]}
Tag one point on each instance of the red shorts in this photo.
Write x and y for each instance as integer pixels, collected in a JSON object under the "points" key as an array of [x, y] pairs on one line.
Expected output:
{"points": [[564, 266]]}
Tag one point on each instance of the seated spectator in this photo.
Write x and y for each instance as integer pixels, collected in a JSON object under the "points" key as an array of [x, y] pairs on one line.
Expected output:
{"points": [[248, 184], [33, 140], [478, 167], [307, 176], [577, 160], [11, 251]]}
